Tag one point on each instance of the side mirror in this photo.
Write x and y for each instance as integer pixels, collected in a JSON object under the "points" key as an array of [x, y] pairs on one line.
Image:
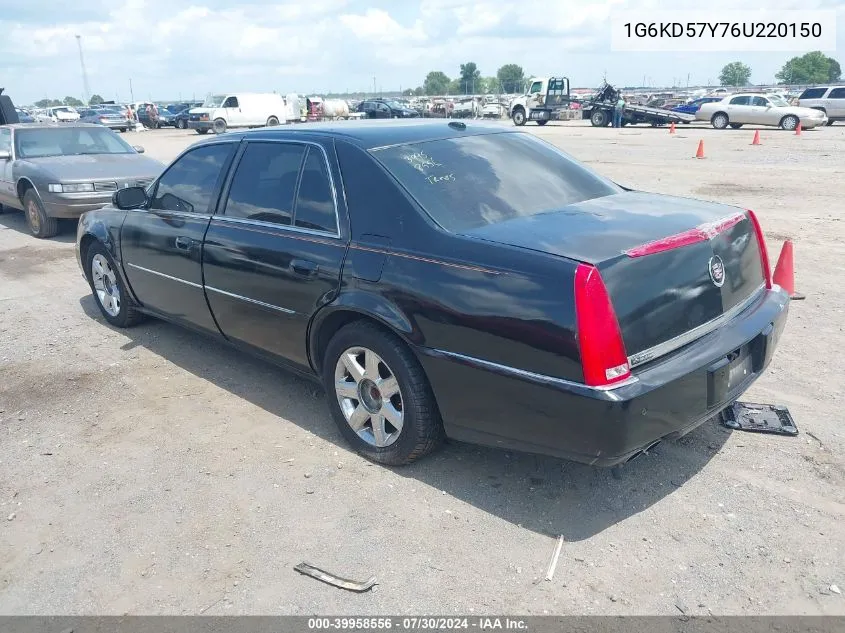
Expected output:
{"points": [[129, 198], [5, 154], [138, 149]]}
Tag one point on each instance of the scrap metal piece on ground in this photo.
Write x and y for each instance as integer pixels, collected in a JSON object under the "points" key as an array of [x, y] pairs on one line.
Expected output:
{"points": [[759, 418], [550, 572], [337, 581]]}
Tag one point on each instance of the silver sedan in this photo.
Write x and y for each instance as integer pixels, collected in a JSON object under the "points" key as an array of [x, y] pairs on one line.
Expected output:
{"points": [[755, 109], [60, 171]]}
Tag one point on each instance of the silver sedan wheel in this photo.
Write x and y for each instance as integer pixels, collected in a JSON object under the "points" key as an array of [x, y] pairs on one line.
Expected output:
{"points": [[369, 396], [105, 284], [33, 216]]}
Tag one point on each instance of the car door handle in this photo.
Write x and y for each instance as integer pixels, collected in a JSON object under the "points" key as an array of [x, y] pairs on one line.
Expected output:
{"points": [[304, 267], [185, 243]]}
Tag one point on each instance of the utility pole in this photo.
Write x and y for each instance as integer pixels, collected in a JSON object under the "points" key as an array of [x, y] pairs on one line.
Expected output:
{"points": [[131, 92], [87, 90], [374, 87]]}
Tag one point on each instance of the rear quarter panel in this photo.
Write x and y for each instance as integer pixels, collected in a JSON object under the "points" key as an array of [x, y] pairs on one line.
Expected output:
{"points": [[493, 302]]}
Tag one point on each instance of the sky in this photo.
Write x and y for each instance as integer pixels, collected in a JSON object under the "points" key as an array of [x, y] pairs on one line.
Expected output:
{"points": [[184, 49]]}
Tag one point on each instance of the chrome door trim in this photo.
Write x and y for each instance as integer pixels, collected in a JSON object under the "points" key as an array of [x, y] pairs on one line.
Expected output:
{"points": [[248, 300], [170, 277]]}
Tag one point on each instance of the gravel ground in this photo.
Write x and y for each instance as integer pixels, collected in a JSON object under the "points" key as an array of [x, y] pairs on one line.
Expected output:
{"points": [[154, 471]]}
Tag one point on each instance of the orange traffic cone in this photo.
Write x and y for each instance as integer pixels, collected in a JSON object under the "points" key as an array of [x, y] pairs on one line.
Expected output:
{"points": [[700, 152], [672, 128], [798, 129], [784, 272], [756, 140]]}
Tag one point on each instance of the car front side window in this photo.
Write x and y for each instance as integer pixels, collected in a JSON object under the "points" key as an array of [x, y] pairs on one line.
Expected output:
{"points": [[264, 184], [5, 140], [189, 184]]}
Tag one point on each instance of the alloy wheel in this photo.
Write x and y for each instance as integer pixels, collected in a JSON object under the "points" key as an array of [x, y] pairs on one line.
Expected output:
{"points": [[105, 284], [369, 396], [34, 216]]}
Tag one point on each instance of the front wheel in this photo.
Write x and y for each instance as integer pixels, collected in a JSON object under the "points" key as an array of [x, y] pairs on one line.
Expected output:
{"points": [[379, 395], [219, 126], [109, 292], [518, 116], [789, 122], [719, 121], [272, 121], [180, 123], [40, 224]]}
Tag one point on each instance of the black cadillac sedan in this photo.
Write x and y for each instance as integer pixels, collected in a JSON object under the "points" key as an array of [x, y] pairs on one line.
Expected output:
{"points": [[449, 279]]}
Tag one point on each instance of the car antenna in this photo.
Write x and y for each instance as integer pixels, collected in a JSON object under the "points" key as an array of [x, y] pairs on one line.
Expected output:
{"points": [[458, 125]]}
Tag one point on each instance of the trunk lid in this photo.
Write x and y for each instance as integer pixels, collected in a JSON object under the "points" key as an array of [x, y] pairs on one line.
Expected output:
{"points": [[667, 294]]}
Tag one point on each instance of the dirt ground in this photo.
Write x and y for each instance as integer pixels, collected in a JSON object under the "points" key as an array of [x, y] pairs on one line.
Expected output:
{"points": [[154, 471]]}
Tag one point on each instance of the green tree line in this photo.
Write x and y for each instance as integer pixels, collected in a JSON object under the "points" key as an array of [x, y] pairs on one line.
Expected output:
{"points": [[811, 68]]}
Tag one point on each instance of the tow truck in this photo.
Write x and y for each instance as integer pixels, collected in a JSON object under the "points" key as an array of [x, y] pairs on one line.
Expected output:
{"points": [[599, 110], [547, 100]]}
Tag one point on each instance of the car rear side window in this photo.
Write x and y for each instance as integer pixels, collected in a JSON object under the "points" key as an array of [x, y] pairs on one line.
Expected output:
{"points": [[315, 208], [813, 93], [741, 101], [837, 93], [190, 182], [472, 181], [265, 182]]}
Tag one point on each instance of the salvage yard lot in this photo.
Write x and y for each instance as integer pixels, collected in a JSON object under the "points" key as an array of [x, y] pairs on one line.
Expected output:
{"points": [[153, 470]]}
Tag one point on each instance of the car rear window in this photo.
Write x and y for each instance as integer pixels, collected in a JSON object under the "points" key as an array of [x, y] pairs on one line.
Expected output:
{"points": [[813, 93], [472, 181]]}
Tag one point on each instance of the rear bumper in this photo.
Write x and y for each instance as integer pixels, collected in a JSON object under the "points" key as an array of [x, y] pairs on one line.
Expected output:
{"points": [[500, 406]]}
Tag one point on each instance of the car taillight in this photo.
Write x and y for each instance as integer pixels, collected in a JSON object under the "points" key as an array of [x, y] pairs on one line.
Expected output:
{"points": [[761, 245], [603, 356]]}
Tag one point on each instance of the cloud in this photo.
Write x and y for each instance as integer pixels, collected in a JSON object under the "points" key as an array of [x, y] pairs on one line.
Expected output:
{"points": [[172, 49]]}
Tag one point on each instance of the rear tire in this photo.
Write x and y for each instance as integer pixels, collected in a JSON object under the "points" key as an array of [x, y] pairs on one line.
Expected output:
{"points": [[386, 384], [518, 116], [599, 118], [789, 122], [202, 131], [108, 288], [180, 123], [719, 120], [40, 224], [272, 121], [219, 126]]}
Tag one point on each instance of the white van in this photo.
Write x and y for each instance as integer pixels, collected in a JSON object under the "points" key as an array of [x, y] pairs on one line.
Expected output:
{"points": [[242, 109]]}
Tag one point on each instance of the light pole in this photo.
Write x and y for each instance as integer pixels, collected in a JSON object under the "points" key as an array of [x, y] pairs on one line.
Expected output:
{"points": [[87, 93]]}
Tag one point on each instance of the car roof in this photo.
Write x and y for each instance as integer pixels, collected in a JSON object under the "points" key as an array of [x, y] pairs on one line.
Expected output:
{"points": [[370, 134], [48, 124]]}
